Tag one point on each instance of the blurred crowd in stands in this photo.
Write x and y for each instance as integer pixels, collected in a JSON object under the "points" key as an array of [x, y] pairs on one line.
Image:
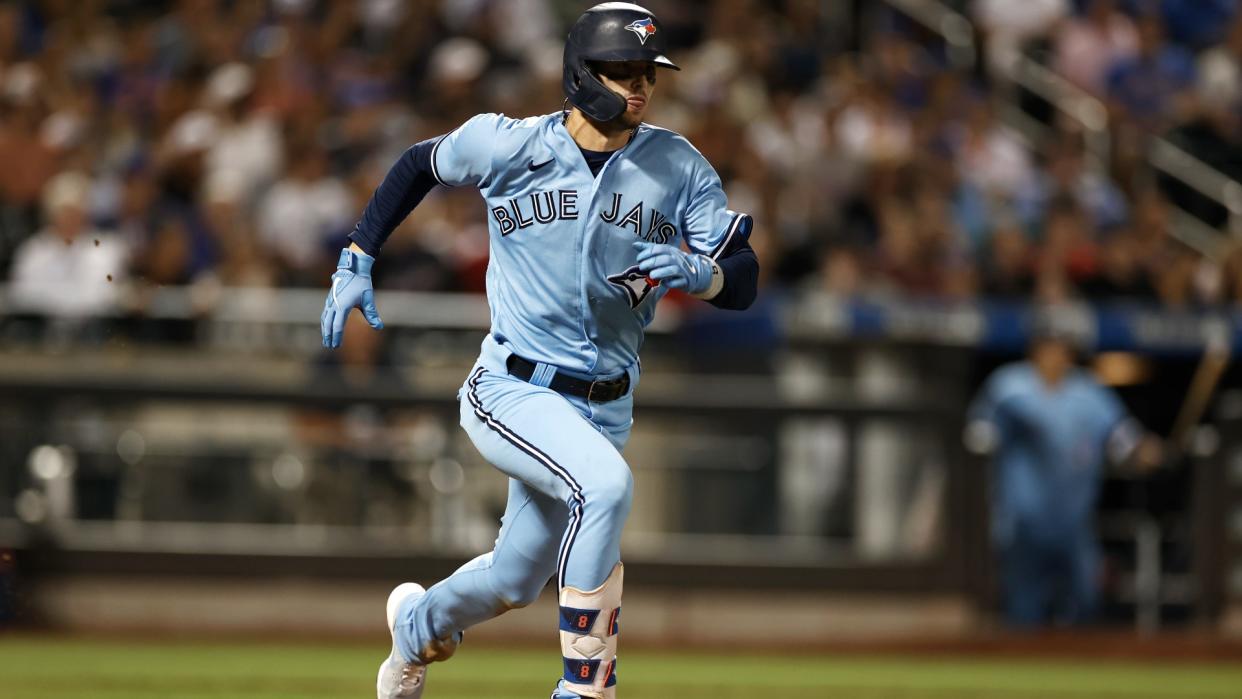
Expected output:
{"points": [[218, 142]]}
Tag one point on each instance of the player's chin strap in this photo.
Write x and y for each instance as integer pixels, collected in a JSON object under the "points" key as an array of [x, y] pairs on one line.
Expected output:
{"points": [[589, 625]]}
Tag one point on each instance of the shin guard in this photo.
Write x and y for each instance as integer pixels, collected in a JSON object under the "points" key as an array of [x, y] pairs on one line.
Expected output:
{"points": [[589, 625]]}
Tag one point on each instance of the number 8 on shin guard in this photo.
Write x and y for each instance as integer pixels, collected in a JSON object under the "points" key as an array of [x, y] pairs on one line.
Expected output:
{"points": [[589, 625]]}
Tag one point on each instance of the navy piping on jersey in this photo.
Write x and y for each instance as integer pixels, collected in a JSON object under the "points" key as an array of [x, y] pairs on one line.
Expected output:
{"points": [[733, 228], [575, 512], [435, 172]]}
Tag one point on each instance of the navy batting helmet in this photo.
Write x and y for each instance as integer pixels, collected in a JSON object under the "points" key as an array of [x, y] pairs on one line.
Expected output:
{"points": [[611, 31]]}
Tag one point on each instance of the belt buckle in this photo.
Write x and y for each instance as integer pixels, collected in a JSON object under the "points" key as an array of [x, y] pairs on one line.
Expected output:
{"points": [[591, 391]]}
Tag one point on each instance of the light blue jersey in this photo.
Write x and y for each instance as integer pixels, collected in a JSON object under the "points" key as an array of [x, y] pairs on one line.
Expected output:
{"points": [[1052, 446], [563, 283]]}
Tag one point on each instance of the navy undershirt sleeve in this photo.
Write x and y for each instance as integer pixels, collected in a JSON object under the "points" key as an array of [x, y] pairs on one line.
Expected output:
{"points": [[403, 188], [740, 267]]}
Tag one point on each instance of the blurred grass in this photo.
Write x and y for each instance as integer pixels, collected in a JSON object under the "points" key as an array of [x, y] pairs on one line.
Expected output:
{"points": [[38, 667]]}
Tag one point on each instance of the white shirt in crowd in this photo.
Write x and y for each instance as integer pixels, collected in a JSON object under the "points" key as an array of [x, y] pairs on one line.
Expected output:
{"points": [[77, 279], [297, 217]]}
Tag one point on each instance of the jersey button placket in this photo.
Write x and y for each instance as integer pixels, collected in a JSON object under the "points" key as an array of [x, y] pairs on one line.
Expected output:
{"points": [[584, 242]]}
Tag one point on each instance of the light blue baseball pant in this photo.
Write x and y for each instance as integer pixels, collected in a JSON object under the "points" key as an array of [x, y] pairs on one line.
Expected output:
{"points": [[569, 495]]}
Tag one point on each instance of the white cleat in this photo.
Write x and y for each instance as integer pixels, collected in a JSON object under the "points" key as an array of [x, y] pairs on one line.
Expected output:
{"points": [[397, 678]]}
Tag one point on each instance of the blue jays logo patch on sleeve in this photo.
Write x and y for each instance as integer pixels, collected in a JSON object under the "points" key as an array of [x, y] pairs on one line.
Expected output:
{"points": [[642, 28], [637, 285]]}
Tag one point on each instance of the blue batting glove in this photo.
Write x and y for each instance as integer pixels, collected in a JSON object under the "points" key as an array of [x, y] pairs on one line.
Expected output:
{"points": [[669, 265], [351, 286]]}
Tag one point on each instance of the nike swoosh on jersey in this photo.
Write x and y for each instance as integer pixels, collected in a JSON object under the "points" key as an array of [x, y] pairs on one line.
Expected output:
{"points": [[534, 167]]}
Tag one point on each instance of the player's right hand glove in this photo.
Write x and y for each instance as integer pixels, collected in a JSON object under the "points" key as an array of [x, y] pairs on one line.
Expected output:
{"points": [[351, 286], [696, 274]]}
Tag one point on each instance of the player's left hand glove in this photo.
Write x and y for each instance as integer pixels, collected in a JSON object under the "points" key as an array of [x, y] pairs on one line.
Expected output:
{"points": [[698, 275], [351, 286]]}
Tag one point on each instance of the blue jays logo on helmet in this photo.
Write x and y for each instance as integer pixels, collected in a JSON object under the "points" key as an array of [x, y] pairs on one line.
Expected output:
{"points": [[636, 284], [642, 28]]}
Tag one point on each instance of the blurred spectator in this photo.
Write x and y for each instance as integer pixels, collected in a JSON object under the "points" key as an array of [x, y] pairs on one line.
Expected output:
{"points": [[1066, 175], [1007, 272], [900, 63], [236, 141], [1051, 429], [1232, 278], [790, 137], [841, 272], [1087, 46], [1121, 275], [1175, 281], [1220, 71], [182, 246], [305, 216], [989, 156], [1151, 88], [1198, 22], [1151, 224], [873, 127], [248, 141], [1009, 24], [29, 161], [1067, 242], [1213, 133], [243, 261], [68, 269]]}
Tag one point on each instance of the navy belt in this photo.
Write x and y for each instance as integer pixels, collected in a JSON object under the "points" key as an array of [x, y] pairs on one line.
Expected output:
{"points": [[594, 391]]}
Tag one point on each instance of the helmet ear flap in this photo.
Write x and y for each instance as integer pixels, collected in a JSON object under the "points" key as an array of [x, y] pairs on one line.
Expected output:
{"points": [[587, 93]]}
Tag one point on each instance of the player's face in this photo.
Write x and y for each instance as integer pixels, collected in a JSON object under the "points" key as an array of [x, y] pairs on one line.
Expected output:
{"points": [[1052, 358], [634, 81]]}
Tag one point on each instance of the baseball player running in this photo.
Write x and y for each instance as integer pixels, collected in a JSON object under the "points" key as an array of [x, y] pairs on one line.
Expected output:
{"points": [[587, 211]]}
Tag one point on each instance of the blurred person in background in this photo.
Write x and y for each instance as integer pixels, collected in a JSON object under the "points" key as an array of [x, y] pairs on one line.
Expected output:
{"points": [[1195, 23], [873, 127], [990, 156], [1150, 224], [28, 160], [248, 144], [1120, 275], [1051, 429], [1213, 132], [1176, 280], [304, 215], [68, 269], [1009, 25], [841, 272], [1220, 70], [243, 261], [1008, 268], [183, 245], [1066, 175], [1088, 45], [1231, 279], [1151, 88], [1068, 242]]}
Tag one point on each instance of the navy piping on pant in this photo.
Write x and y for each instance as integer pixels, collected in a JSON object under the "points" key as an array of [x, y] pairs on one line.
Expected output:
{"points": [[575, 512]]}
